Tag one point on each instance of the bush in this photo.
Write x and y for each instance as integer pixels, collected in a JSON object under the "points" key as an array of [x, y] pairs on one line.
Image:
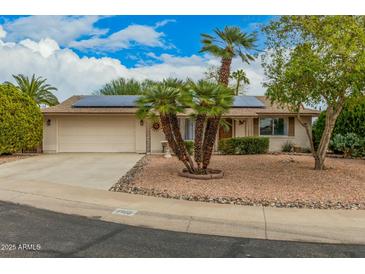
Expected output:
{"points": [[351, 120], [287, 147], [20, 121], [189, 146], [350, 144], [244, 145]]}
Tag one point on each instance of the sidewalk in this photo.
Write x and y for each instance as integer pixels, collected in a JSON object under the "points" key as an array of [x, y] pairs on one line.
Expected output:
{"points": [[310, 225]]}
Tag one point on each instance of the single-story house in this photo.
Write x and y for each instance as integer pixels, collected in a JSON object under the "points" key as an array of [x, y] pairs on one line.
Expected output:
{"points": [[109, 124]]}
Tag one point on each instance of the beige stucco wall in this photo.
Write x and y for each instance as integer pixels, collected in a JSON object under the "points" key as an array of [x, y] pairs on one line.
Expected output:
{"points": [[140, 136], [49, 135]]}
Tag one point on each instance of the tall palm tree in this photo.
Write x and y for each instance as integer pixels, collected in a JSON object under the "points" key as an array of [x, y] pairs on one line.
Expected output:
{"points": [[36, 88], [240, 77], [227, 44], [164, 100], [208, 100]]}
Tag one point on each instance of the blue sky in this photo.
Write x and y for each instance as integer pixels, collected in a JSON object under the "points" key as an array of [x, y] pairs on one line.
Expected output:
{"points": [[101, 48]]}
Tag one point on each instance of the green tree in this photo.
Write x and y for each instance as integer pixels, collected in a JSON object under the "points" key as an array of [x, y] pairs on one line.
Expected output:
{"points": [[20, 120], [226, 44], [313, 60], [208, 100], [171, 97], [37, 89], [241, 78], [165, 101], [124, 86], [350, 120]]}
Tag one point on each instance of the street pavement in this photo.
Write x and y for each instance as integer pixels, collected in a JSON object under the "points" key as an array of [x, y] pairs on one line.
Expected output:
{"points": [[29, 232]]}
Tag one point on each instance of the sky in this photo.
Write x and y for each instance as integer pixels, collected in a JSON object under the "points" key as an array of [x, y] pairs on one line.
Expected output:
{"points": [[79, 54]]}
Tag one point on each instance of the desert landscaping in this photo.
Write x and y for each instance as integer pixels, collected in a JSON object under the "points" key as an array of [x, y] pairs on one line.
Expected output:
{"points": [[268, 180]]}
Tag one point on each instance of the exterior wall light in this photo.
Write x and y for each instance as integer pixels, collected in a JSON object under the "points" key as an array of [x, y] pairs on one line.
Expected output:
{"points": [[48, 122], [141, 123]]}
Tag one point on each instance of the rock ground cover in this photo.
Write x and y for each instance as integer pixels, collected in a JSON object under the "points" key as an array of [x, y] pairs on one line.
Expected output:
{"points": [[267, 180]]}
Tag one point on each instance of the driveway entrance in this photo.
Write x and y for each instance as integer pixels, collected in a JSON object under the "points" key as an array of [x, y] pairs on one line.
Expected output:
{"points": [[92, 170]]}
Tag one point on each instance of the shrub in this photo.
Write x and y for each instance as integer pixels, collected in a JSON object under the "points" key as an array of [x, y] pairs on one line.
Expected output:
{"points": [[189, 146], [350, 144], [244, 145], [287, 147], [20, 121], [350, 120]]}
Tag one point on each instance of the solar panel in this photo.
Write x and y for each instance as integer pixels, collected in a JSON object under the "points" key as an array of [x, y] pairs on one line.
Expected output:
{"points": [[247, 102], [112, 101], [120, 101]]}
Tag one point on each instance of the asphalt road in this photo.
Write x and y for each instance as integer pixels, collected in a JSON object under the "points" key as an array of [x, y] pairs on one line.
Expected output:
{"points": [[31, 232]]}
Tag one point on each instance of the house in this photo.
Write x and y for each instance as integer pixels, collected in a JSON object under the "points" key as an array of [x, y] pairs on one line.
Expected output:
{"points": [[109, 124]]}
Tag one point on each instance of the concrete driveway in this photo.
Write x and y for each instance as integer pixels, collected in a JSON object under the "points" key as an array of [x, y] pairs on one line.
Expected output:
{"points": [[93, 170]]}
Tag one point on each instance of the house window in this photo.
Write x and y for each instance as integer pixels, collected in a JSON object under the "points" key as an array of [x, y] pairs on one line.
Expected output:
{"points": [[189, 129], [273, 126]]}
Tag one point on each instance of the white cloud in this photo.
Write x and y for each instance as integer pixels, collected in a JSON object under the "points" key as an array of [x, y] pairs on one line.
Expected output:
{"points": [[45, 47], [72, 75], [164, 22], [2, 32], [125, 38], [62, 29]]}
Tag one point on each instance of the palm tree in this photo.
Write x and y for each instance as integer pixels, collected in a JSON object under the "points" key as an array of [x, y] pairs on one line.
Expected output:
{"points": [[36, 88], [164, 100], [208, 101], [121, 86], [240, 76], [227, 44]]}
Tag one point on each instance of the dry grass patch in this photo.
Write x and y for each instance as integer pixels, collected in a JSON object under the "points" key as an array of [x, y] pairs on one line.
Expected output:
{"points": [[276, 180]]}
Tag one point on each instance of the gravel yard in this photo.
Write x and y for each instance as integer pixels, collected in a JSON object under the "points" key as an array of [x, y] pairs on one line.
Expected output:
{"points": [[269, 180], [9, 158]]}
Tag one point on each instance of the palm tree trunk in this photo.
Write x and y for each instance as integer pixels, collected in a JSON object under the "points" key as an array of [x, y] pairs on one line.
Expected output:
{"points": [[209, 140], [225, 71], [237, 86], [198, 143], [180, 142], [167, 130]]}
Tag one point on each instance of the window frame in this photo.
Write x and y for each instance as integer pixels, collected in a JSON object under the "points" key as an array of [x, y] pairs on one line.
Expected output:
{"points": [[286, 126]]}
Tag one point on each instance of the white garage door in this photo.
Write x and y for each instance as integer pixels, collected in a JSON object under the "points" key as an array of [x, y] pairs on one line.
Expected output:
{"points": [[96, 134]]}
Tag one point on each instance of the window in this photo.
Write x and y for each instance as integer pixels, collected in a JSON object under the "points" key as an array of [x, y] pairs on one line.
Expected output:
{"points": [[273, 126], [189, 129]]}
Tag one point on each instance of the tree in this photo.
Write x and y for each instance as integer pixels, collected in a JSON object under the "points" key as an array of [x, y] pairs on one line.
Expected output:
{"points": [[20, 120], [208, 100], [350, 120], [36, 88], [124, 86], [226, 44], [313, 60], [240, 77], [171, 97], [164, 100], [212, 74]]}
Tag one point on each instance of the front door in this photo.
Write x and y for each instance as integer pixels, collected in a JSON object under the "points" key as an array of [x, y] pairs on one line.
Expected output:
{"points": [[225, 132]]}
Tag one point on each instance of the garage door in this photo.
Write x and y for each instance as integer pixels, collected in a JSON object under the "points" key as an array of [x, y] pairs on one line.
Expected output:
{"points": [[96, 134]]}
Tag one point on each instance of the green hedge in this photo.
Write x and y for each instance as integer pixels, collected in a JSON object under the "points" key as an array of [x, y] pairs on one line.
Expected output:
{"points": [[244, 145], [20, 121]]}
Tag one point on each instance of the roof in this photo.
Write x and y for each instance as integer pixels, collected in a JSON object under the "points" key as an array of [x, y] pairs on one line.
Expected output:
{"points": [[78, 104]]}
